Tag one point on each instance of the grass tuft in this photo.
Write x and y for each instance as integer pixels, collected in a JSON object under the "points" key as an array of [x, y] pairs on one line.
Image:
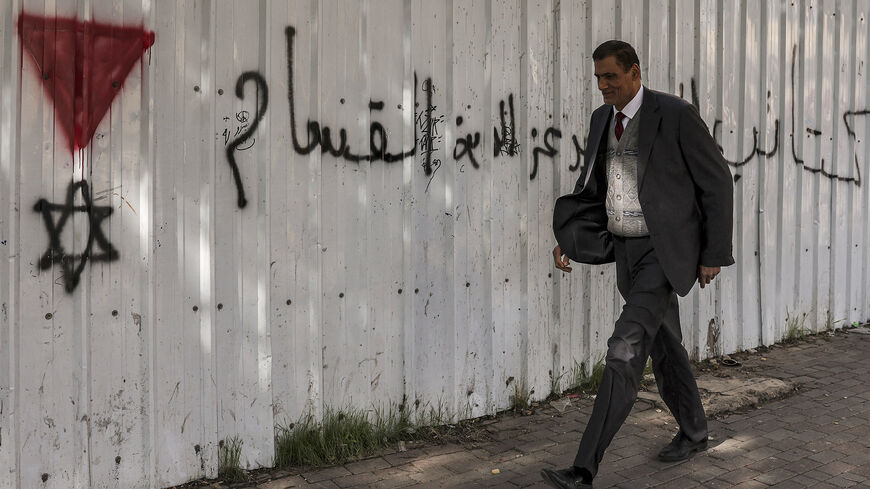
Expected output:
{"points": [[351, 433], [648, 370], [592, 381], [795, 329], [229, 466], [556, 384], [340, 436], [585, 380], [520, 399], [830, 324]]}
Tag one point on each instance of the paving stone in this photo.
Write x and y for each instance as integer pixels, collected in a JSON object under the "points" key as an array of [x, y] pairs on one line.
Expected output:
{"points": [[774, 476], [367, 465], [326, 474], [283, 483], [357, 480]]}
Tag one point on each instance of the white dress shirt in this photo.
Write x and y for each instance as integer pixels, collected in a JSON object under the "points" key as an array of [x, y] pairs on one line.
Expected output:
{"points": [[631, 108]]}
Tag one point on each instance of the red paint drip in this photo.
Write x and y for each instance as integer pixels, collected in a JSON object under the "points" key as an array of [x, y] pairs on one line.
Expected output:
{"points": [[83, 66]]}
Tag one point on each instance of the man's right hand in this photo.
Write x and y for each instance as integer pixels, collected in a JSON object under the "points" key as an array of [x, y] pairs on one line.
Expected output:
{"points": [[561, 260]]}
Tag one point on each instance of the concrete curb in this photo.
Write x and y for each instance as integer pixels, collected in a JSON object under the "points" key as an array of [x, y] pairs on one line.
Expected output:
{"points": [[722, 395]]}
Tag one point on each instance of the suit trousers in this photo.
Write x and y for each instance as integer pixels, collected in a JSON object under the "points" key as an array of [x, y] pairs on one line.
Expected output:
{"points": [[649, 325]]}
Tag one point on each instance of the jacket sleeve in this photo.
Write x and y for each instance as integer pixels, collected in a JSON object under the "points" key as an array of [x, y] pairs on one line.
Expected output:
{"points": [[580, 219], [714, 188]]}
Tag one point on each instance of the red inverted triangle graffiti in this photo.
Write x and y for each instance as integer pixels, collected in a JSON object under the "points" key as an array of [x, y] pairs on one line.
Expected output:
{"points": [[83, 66]]}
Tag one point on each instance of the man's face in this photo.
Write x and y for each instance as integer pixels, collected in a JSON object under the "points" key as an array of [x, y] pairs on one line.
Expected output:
{"points": [[617, 85]]}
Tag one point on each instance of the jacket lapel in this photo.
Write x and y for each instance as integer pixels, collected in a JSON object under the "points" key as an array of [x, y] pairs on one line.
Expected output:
{"points": [[596, 134], [649, 126]]}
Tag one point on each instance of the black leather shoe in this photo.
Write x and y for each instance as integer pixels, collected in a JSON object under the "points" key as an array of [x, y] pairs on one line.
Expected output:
{"points": [[569, 478], [681, 448]]}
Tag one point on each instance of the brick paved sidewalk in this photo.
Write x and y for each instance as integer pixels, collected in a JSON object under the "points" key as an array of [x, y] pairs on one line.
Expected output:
{"points": [[817, 438]]}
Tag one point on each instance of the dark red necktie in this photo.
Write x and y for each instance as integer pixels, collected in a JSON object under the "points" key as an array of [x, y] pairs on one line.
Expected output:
{"points": [[618, 129]]}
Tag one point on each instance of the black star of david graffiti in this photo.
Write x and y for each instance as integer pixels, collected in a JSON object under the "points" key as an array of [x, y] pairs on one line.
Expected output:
{"points": [[74, 264]]}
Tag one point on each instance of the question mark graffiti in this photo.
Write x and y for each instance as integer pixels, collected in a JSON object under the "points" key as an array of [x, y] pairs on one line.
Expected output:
{"points": [[263, 98]]}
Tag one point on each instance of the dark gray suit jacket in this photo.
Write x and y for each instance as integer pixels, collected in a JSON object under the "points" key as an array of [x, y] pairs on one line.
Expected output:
{"points": [[685, 190]]}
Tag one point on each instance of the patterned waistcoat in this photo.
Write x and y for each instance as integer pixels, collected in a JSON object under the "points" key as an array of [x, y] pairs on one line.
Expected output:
{"points": [[624, 214]]}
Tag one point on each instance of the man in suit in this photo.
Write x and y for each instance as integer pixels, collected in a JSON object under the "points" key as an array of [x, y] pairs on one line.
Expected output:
{"points": [[655, 196]]}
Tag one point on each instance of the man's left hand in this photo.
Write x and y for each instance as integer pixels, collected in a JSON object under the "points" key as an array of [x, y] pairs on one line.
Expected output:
{"points": [[706, 274]]}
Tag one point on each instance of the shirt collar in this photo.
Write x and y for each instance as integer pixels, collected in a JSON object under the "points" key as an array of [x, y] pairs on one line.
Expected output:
{"points": [[631, 108]]}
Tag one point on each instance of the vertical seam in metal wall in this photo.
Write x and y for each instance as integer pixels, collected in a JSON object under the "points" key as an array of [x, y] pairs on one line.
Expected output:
{"points": [[408, 377], [204, 271], [14, 241], [781, 164], [555, 278], [760, 174], [617, 10], [644, 47], [450, 183], [126, 294], [315, 162], [86, 305], [695, 335], [847, 163], [366, 168], [524, 199], [672, 46], [797, 83], [264, 231], [587, 269], [489, 407], [80, 324], [835, 167], [820, 37], [207, 218], [205, 287], [147, 142], [719, 100], [179, 142], [865, 282], [742, 42]]}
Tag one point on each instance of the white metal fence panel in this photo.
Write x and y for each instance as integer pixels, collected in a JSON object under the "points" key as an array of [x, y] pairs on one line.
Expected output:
{"points": [[270, 208]]}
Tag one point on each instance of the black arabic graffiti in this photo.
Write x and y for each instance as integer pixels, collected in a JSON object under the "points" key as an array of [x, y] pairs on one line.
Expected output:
{"points": [[800, 161], [794, 153], [263, 98], [243, 118], [755, 149], [426, 122], [319, 135], [506, 143], [468, 144], [579, 150], [548, 150], [428, 125], [427, 134], [74, 264]]}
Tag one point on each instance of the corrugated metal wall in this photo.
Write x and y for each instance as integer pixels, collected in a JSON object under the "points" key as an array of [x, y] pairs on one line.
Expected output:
{"points": [[399, 161]]}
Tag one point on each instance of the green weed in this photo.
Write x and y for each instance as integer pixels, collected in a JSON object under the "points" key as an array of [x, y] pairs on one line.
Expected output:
{"points": [[352, 433], [585, 380], [556, 384], [229, 466], [795, 329], [520, 399]]}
